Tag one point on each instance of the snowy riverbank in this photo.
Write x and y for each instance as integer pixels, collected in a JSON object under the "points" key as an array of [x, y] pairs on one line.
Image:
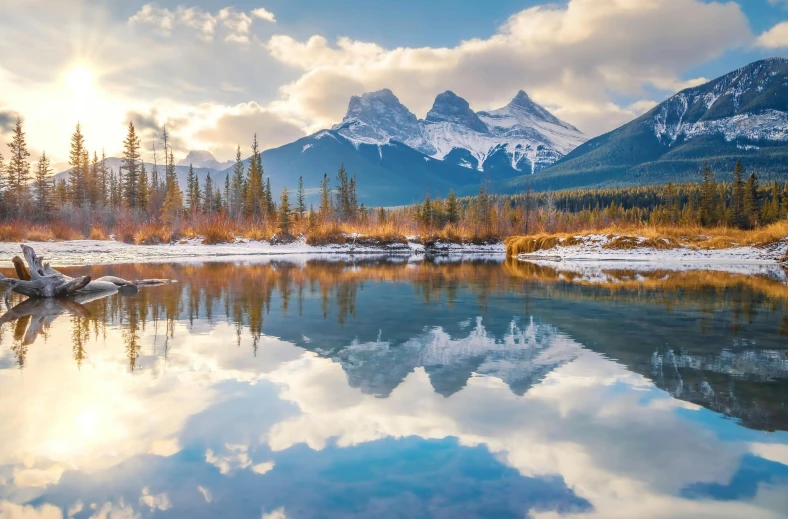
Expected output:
{"points": [[95, 252], [592, 248]]}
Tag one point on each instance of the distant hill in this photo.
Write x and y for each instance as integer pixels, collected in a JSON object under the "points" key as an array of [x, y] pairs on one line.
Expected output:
{"points": [[740, 116]]}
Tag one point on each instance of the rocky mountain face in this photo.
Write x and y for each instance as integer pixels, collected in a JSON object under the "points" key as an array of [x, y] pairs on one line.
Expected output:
{"points": [[520, 137], [740, 116]]}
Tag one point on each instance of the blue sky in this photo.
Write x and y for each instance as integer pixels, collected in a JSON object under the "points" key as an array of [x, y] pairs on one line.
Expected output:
{"points": [[216, 71]]}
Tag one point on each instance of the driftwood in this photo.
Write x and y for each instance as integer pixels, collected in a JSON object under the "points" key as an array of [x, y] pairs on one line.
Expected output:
{"points": [[38, 280]]}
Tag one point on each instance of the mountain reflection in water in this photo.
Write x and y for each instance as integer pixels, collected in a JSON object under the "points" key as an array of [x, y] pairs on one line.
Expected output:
{"points": [[397, 389]]}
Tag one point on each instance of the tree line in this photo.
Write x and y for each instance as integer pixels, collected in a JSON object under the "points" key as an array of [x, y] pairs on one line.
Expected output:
{"points": [[91, 185]]}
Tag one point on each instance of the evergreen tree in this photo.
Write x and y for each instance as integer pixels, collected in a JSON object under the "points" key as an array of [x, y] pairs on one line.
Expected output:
{"points": [[94, 185], [325, 198], [192, 191], [784, 207], [270, 206], [301, 207], [738, 216], [208, 199], [131, 168], [18, 169], [172, 207], [254, 203], [708, 213], [76, 174], [144, 189], [752, 203], [237, 196], [284, 213], [43, 187], [452, 210], [313, 218], [226, 200], [61, 195]]}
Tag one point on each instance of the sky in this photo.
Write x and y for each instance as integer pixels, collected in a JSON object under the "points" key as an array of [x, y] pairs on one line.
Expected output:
{"points": [[216, 72]]}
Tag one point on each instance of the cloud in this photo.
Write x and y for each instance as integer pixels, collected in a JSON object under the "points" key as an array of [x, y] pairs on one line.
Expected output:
{"points": [[155, 501], [774, 38], [237, 126], [264, 14], [7, 120], [237, 24], [10, 510], [586, 53]]}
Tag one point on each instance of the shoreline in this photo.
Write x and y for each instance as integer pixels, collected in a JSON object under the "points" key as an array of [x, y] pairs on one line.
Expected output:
{"points": [[110, 252]]}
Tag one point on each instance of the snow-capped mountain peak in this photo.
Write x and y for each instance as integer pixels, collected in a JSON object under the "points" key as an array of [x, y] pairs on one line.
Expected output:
{"points": [[377, 118], [520, 137], [451, 108]]}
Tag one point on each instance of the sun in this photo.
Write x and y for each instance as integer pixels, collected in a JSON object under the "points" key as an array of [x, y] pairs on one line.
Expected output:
{"points": [[80, 80]]}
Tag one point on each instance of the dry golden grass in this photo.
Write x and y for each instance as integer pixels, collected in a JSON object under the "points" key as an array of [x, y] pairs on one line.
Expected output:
{"points": [[11, 232], [39, 233], [660, 237], [97, 233], [62, 232], [151, 234]]}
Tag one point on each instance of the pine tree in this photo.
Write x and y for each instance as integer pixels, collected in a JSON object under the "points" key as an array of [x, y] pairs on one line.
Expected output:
{"points": [[131, 168], [76, 174], [752, 203], [94, 184], [172, 207], [226, 201], [254, 202], [43, 187], [208, 199], [301, 207], [270, 206], [313, 218], [192, 191], [61, 195], [784, 206], [452, 211], [738, 217], [284, 213], [236, 198], [708, 213], [144, 189], [325, 198], [18, 169]]}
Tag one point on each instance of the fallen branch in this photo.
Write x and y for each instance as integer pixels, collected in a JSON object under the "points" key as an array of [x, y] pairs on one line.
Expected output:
{"points": [[38, 280]]}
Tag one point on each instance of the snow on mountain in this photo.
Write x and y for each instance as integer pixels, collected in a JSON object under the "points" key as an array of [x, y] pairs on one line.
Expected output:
{"points": [[204, 159], [527, 135], [748, 103]]}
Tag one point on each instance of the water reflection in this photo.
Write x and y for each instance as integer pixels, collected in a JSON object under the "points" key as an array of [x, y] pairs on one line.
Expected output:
{"points": [[467, 389]]}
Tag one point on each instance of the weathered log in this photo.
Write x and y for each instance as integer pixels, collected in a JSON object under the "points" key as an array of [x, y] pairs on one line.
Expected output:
{"points": [[39, 280]]}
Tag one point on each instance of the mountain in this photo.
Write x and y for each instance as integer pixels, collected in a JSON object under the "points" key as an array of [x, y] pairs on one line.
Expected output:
{"points": [[205, 160], [740, 116], [518, 138], [114, 164]]}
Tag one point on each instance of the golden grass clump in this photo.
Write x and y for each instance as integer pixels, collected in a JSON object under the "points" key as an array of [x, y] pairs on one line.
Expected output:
{"points": [[97, 233], [326, 234], [527, 244], [11, 233], [39, 233], [62, 232], [150, 234]]}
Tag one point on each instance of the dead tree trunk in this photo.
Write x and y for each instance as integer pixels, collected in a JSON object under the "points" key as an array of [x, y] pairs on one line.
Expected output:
{"points": [[37, 279]]}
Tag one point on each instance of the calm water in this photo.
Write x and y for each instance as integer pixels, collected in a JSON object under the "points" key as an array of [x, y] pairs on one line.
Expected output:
{"points": [[388, 389]]}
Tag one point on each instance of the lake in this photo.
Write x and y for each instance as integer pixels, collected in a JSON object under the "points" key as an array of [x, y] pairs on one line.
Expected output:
{"points": [[389, 388]]}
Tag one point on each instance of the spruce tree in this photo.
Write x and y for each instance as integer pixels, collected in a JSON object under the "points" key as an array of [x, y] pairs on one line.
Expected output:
{"points": [[738, 217], [300, 199], [192, 191], [752, 203], [254, 202], [325, 198], [144, 189], [131, 168], [43, 186], [270, 206], [18, 169], [452, 211], [94, 186], [236, 198], [77, 174], [284, 213], [208, 199], [708, 214]]}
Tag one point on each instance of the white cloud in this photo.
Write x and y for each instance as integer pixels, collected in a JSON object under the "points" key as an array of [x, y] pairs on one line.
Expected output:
{"points": [[206, 493], [238, 24], [9, 510], [262, 468], [264, 14], [574, 58], [155, 501], [775, 38]]}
